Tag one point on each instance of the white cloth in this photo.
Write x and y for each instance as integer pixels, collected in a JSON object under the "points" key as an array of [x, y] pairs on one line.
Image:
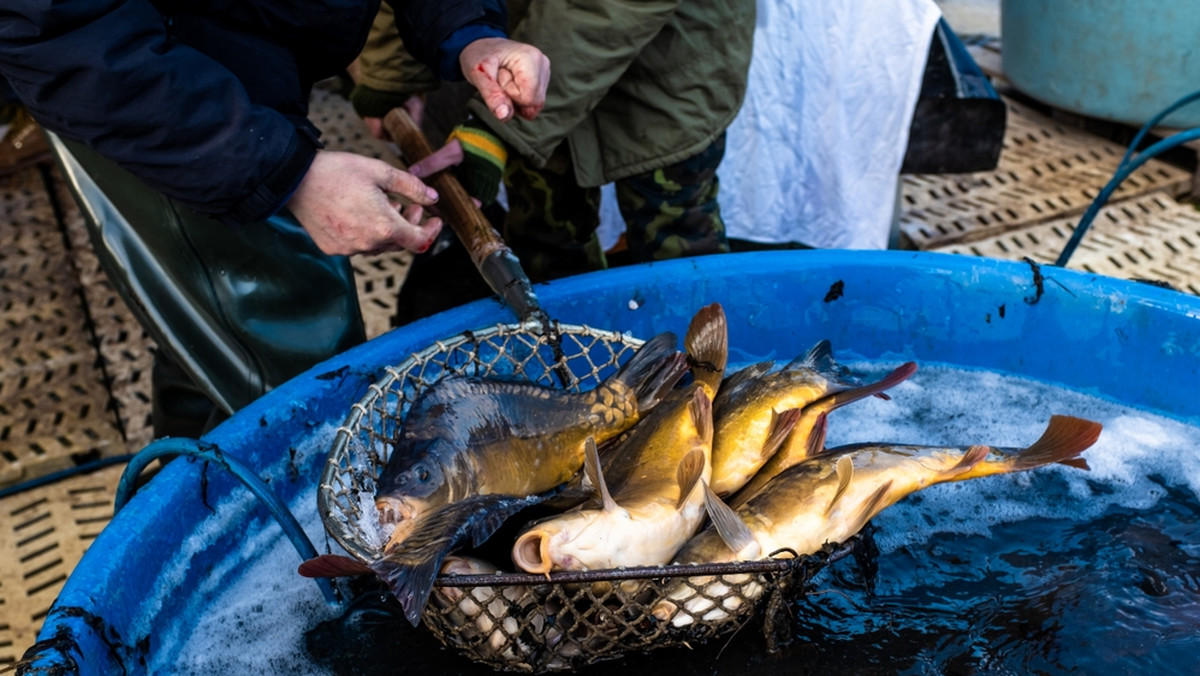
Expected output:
{"points": [[814, 155]]}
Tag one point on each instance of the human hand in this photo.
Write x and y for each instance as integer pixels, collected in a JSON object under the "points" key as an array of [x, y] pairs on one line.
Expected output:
{"points": [[508, 74], [351, 204]]}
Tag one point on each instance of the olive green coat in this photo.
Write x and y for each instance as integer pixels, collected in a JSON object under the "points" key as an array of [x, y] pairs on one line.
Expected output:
{"points": [[635, 85]]}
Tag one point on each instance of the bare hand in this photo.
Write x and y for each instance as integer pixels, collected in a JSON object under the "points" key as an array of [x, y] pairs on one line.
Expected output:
{"points": [[508, 74], [351, 204]]}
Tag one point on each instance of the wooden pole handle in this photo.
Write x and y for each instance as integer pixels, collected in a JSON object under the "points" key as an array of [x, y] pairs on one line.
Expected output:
{"points": [[454, 203]]}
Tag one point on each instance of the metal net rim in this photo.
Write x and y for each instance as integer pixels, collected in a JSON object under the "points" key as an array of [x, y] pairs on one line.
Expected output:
{"points": [[327, 499]]}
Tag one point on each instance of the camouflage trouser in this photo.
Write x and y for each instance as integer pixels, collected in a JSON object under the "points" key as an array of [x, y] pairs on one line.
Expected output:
{"points": [[669, 213]]}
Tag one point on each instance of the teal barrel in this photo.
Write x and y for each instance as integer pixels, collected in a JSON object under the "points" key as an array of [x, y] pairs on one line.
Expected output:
{"points": [[1119, 60]]}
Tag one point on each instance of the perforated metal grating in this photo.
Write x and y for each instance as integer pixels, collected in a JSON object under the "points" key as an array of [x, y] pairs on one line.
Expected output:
{"points": [[43, 534], [1047, 170]]}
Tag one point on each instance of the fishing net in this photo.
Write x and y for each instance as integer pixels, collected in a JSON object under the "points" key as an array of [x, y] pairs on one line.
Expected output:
{"points": [[561, 621]]}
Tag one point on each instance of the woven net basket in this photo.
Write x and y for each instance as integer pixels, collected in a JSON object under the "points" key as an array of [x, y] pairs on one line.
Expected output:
{"points": [[533, 623]]}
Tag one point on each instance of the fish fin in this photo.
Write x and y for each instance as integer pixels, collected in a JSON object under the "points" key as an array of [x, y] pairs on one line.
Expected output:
{"points": [[733, 531], [974, 455], [845, 474], [653, 370], [689, 472], [333, 565], [779, 428], [819, 358], [1064, 439], [409, 569], [591, 466], [897, 376], [707, 345], [873, 505], [700, 408], [1078, 463], [816, 437]]}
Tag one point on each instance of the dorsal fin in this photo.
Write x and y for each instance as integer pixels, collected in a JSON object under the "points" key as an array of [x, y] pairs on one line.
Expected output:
{"points": [[688, 474], [733, 531], [591, 467], [845, 474], [707, 345]]}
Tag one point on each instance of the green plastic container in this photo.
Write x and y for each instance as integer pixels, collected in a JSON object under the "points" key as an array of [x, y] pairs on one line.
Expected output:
{"points": [[1119, 60]]}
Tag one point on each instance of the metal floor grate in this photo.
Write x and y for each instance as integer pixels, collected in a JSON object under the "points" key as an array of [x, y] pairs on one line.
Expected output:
{"points": [[1046, 170], [43, 534], [53, 396], [1152, 238]]}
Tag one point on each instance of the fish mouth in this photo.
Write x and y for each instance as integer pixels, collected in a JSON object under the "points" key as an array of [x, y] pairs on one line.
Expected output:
{"points": [[531, 552], [398, 512]]}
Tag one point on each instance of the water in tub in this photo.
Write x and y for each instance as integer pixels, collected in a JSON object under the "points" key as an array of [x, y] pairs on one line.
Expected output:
{"points": [[1051, 571]]}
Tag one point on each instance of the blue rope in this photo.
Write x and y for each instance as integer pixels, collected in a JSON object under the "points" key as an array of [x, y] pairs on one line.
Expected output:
{"points": [[210, 452], [1127, 165]]}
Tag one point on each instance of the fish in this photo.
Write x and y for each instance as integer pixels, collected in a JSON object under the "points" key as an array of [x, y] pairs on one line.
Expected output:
{"points": [[831, 497], [803, 437], [470, 436], [473, 452], [757, 411], [648, 501]]}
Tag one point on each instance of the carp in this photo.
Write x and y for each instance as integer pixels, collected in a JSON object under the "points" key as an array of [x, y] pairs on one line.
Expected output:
{"points": [[473, 452], [804, 437], [830, 497], [758, 410], [648, 499]]}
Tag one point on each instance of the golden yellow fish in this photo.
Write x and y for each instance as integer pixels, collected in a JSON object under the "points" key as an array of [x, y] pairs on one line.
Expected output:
{"points": [[655, 503], [758, 410], [829, 498], [805, 437]]}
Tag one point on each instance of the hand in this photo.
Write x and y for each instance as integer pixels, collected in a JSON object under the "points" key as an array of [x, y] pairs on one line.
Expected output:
{"points": [[507, 74], [414, 105], [351, 204], [479, 155]]}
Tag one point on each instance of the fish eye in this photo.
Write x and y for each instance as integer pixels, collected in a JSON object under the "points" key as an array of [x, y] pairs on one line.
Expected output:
{"points": [[422, 474]]}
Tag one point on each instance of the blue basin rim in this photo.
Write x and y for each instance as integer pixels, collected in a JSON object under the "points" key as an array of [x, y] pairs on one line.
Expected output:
{"points": [[1133, 343]]}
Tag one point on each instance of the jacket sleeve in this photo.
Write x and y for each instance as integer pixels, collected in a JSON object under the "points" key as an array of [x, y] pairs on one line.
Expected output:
{"points": [[590, 44], [435, 31], [166, 112], [388, 74]]}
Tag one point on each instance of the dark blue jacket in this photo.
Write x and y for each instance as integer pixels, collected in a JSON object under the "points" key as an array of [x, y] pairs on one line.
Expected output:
{"points": [[206, 100]]}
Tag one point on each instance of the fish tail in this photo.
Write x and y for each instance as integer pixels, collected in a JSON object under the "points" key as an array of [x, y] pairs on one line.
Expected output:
{"points": [[1064, 439], [652, 371], [1062, 442], [707, 345]]}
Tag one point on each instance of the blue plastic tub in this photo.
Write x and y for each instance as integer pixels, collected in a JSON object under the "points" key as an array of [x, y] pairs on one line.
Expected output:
{"points": [[1129, 342]]}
